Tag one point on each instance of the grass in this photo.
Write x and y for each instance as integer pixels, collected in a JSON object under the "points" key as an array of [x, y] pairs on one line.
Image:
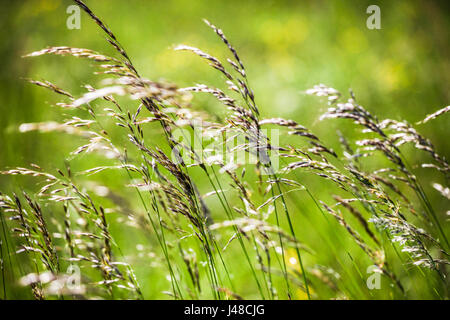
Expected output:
{"points": [[208, 225]]}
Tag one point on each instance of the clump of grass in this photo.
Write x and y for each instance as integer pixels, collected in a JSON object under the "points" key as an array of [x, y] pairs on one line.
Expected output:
{"points": [[387, 208]]}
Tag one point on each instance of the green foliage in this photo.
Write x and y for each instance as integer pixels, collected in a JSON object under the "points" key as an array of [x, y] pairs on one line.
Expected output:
{"points": [[356, 190]]}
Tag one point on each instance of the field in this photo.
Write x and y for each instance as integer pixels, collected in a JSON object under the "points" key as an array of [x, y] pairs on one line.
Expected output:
{"points": [[224, 150]]}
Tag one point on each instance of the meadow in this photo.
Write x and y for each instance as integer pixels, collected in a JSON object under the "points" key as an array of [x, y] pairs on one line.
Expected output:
{"points": [[208, 150]]}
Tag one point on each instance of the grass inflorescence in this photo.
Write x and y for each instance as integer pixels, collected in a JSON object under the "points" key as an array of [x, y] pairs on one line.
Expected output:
{"points": [[59, 241]]}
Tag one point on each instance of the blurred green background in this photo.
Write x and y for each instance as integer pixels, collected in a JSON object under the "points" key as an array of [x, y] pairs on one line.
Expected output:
{"points": [[401, 71]]}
